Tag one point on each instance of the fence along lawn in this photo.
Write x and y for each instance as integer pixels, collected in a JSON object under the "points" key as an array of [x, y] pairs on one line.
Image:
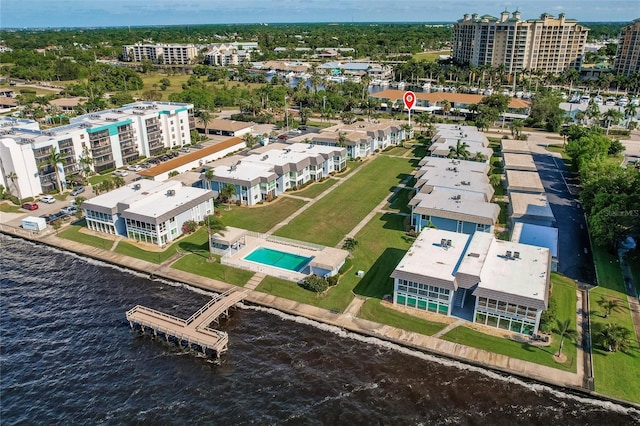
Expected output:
{"points": [[332, 217]]}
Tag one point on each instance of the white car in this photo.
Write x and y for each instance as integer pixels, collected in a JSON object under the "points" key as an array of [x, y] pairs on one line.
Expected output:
{"points": [[121, 173], [135, 168], [49, 199]]}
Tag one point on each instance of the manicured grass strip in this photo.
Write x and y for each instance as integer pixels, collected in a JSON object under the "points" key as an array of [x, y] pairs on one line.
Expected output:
{"points": [[372, 310], [313, 190], [193, 242], [261, 218], [326, 222], [197, 263], [96, 179], [351, 166], [400, 200], [9, 208], [396, 150], [564, 292], [614, 372], [420, 150], [73, 233]]}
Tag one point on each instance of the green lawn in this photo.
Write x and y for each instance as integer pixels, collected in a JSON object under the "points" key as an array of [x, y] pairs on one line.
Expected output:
{"points": [[372, 310], [73, 233], [197, 263], [9, 208], [396, 150], [615, 372], [312, 191], [351, 166], [188, 243], [326, 222], [430, 56], [400, 200], [498, 189], [262, 218], [96, 179], [564, 292]]}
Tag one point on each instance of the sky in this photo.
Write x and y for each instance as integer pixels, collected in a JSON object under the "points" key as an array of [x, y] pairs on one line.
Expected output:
{"points": [[100, 13]]}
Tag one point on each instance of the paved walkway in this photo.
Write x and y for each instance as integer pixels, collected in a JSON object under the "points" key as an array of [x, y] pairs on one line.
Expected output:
{"points": [[255, 281], [449, 328]]}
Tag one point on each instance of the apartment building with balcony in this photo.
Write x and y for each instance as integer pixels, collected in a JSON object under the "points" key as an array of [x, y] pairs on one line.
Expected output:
{"points": [[549, 44], [98, 141], [166, 54], [628, 56]]}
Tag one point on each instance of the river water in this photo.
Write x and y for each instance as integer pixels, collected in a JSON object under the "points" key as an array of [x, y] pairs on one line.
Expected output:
{"points": [[69, 356]]}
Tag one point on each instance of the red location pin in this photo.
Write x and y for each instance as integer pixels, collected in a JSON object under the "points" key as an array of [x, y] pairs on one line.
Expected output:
{"points": [[409, 99]]}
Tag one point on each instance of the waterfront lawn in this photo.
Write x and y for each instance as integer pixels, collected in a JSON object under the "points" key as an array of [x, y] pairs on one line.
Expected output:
{"points": [[312, 191], [261, 218], [326, 222], [72, 232], [373, 310], [197, 263], [614, 372], [564, 292], [400, 200], [194, 242]]}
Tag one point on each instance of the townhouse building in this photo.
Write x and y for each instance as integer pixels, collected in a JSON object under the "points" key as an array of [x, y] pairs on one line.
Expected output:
{"points": [[274, 169], [495, 283], [549, 44]]}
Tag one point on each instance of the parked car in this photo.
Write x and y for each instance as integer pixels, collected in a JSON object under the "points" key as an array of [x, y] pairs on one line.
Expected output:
{"points": [[69, 210], [30, 206], [134, 168], [49, 199], [121, 173], [77, 190]]}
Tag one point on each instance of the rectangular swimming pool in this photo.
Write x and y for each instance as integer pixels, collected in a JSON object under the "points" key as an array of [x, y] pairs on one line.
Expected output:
{"points": [[278, 259]]}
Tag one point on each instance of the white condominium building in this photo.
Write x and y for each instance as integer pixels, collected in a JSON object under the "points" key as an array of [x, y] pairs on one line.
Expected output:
{"points": [[98, 141], [549, 44], [168, 54]]}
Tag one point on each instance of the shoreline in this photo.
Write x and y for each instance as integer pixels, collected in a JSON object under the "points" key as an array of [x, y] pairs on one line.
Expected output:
{"points": [[500, 364]]}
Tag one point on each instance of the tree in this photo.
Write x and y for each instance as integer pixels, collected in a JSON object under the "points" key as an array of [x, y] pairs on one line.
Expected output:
{"points": [[516, 128], [460, 150], [314, 283], [446, 107], [228, 192], [612, 116], [53, 160], [342, 139], [13, 177], [349, 244], [609, 305], [205, 117], [563, 328], [480, 157], [118, 181], [214, 226], [208, 177], [615, 338]]}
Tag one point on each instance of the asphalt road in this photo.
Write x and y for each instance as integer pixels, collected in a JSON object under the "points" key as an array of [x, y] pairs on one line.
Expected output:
{"points": [[574, 248]]}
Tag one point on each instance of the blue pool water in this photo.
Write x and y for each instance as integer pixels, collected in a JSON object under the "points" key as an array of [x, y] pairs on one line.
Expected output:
{"points": [[278, 259]]}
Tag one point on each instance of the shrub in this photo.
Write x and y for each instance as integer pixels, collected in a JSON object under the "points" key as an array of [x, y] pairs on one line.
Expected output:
{"points": [[27, 200], [238, 203], [189, 226], [548, 317], [331, 281], [314, 283], [13, 199]]}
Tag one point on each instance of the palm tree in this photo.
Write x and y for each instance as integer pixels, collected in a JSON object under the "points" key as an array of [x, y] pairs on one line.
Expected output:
{"points": [[615, 338], [349, 244], [460, 150], [13, 177], [563, 328], [315, 80], [630, 111], [208, 177], [214, 226], [342, 139], [53, 160], [516, 127], [118, 181], [593, 111], [612, 116], [446, 107], [228, 191], [205, 117], [609, 305], [480, 157]]}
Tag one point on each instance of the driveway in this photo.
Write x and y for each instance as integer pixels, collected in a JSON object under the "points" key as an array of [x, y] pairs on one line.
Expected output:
{"points": [[574, 248]]}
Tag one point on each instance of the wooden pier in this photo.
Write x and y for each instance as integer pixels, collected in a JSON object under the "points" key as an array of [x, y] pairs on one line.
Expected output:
{"points": [[195, 330]]}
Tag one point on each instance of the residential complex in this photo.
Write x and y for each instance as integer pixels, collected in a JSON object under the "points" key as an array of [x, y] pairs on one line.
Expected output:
{"points": [[226, 54], [271, 170], [478, 277], [98, 141], [168, 54], [549, 44], [628, 57], [148, 211]]}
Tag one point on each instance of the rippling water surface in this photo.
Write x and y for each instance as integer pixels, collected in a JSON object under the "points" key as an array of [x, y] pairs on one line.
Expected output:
{"points": [[68, 356]]}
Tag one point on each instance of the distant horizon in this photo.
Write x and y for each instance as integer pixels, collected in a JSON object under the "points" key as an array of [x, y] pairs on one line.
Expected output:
{"points": [[71, 14]]}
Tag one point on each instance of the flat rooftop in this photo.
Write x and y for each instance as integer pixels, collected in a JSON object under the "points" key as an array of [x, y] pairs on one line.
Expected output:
{"points": [[534, 205], [427, 258], [524, 181], [524, 279], [460, 180], [516, 147], [428, 163], [456, 205], [519, 162], [536, 235]]}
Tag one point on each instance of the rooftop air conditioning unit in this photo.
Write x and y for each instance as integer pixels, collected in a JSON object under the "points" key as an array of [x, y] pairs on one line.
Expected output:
{"points": [[443, 242], [136, 186], [516, 255], [171, 192], [508, 254]]}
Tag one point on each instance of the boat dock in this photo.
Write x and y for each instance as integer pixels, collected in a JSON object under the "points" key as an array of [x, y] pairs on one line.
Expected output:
{"points": [[195, 330]]}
